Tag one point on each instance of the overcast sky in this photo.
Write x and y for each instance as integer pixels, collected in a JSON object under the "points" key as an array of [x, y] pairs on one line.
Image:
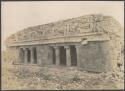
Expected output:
{"points": [[17, 15]]}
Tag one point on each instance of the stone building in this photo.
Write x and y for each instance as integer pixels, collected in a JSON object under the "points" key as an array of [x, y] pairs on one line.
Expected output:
{"points": [[90, 42]]}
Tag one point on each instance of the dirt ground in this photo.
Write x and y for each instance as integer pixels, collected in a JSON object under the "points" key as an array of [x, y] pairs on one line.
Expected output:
{"points": [[22, 77]]}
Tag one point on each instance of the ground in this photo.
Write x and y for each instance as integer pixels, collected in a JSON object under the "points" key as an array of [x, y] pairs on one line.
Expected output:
{"points": [[16, 77]]}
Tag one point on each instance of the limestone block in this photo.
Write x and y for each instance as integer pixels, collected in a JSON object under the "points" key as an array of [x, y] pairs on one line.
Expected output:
{"points": [[90, 57]]}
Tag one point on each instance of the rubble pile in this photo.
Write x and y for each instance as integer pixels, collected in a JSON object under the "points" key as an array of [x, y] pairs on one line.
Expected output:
{"points": [[34, 77]]}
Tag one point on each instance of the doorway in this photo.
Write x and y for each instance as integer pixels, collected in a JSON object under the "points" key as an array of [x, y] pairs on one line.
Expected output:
{"points": [[54, 60], [35, 56], [62, 56], [28, 55], [73, 55]]}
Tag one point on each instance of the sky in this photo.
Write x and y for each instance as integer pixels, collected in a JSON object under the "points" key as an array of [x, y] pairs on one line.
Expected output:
{"points": [[22, 14]]}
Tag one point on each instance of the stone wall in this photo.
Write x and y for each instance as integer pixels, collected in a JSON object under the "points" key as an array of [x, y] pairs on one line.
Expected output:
{"points": [[95, 56], [112, 53], [13, 55], [100, 56], [91, 57], [44, 55]]}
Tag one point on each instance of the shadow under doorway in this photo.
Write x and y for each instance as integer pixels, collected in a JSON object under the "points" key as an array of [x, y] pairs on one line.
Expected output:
{"points": [[62, 56], [73, 55]]}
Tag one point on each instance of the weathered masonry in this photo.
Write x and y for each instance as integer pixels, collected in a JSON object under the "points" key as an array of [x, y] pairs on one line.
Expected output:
{"points": [[88, 41]]}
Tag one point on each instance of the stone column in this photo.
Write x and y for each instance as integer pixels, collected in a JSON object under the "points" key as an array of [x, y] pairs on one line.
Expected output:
{"points": [[25, 55], [19, 55], [68, 56], [78, 51], [50, 55], [32, 54], [39, 55], [16, 60], [57, 54]]}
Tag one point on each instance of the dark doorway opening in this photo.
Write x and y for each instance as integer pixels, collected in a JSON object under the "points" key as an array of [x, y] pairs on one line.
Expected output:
{"points": [[35, 55], [54, 60], [73, 56], [62, 56], [22, 55], [29, 55]]}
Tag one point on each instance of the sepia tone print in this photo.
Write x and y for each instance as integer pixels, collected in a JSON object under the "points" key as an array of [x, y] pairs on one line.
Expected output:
{"points": [[73, 42], [84, 52]]}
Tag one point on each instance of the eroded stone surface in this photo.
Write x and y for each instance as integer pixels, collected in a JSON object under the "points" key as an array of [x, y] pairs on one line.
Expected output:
{"points": [[95, 39]]}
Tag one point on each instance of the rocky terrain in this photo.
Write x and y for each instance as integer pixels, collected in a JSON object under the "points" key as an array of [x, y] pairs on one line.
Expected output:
{"points": [[22, 77]]}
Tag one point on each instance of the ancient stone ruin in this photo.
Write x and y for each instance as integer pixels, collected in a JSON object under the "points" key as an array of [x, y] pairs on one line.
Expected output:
{"points": [[90, 42]]}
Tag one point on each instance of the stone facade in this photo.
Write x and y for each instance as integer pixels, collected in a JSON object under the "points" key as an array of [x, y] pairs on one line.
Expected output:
{"points": [[85, 42]]}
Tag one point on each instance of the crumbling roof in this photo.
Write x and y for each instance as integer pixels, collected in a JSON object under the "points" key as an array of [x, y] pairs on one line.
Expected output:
{"points": [[70, 27]]}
